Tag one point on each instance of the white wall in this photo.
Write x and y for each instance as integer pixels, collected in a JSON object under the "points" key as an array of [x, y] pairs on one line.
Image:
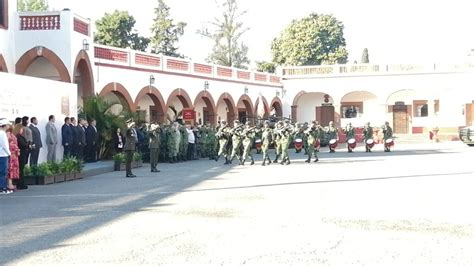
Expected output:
{"points": [[27, 96], [145, 104], [7, 47]]}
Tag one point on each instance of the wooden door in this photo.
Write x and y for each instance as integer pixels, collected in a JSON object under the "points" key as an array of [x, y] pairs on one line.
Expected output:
{"points": [[400, 119], [470, 114], [325, 114]]}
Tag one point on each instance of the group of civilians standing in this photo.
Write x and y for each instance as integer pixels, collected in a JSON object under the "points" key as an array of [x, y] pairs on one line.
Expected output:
{"points": [[21, 143]]}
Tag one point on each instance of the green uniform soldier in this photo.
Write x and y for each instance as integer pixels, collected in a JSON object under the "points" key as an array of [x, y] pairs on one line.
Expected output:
{"points": [[387, 134], [299, 135], [312, 136], [154, 146], [183, 144], [129, 148], [211, 143], [277, 140], [248, 135], [203, 132], [174, 139], [332, 134], [236, 141], [267, 134], [285, 140], [350, 134], [368, 137], [223, 136]]}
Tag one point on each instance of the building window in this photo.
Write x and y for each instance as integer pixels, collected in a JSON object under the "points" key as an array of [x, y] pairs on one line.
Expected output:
{"points": [[351, 110], [420, 108], [4, 14]]}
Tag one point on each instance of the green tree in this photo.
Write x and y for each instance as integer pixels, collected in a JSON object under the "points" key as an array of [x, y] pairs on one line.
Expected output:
{"points": [[264, 66], [365, 56], [228, 50], [32, 5], [313, 40], [115, 29], [165, 32]]}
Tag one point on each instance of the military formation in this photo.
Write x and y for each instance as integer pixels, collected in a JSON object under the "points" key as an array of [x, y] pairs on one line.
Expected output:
{"points": [[235, 144]]}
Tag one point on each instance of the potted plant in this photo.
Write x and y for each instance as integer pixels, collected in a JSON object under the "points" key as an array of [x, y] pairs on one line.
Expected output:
{"points": [[29, 175], [67, 166], [119, 162], [44, 174], [57, 172], [78, 166]]}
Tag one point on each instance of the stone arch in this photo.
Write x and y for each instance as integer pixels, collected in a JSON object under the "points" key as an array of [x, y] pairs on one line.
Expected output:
{"points": [[210, 105], [277, 104], [42, 52], [227, 99], [157, 99], [265, 107], [3, 65], [183, 97], [314, 105], [245, 99], [122, 93], [356, 104], [83, 76], [403, 95]]}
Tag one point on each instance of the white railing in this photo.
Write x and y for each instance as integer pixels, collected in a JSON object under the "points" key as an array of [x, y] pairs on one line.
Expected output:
{"points": [[132, 58], [372, 69]]}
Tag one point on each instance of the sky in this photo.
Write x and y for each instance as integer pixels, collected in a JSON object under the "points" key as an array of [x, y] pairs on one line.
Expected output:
{"points": [[394, 31]]}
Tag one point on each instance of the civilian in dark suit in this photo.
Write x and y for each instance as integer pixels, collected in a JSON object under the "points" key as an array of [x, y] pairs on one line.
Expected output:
{"points": [[67, 140], [75, 137], [118, 140], [81, 136], [92, 142], [37, 143]]}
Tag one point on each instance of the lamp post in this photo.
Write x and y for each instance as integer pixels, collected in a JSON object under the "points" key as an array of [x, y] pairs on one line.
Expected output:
{"points": [[85, 45], [277, 93], [206, 85], [246, 90], [152, 80]]}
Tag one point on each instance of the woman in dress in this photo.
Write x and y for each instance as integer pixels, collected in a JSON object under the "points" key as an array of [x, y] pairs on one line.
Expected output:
{"points": [[24, 147], [13, 164]]}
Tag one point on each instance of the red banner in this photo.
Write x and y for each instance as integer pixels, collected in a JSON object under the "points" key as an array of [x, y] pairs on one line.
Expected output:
{"points": [[188, 114]]}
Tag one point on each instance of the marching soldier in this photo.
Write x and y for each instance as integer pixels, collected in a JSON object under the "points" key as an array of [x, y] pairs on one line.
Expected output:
{"points": [[285, 140], [236, 141], [174, 139], [154, 146], [350, 134], [299, 135], [211, 143], [248, 134], [368, 135], [312, 135], [332, 135], [387, 134], [223, 135], [266, 141], [277, 140]]}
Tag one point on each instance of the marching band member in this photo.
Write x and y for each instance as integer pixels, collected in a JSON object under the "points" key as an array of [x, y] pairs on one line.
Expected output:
{"points": [[266, 141], [333, 137], [312, 136], [387, 137], [223, 136], [368, 137], [286, 134], [350, 133], [236, 141], [277, 140], [248, 134]]}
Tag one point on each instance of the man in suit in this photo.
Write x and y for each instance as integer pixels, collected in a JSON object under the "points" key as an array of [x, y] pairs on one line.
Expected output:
{"points": [[67, 138], [75, 137], [51, 139], [37, 143], [92, 141], [81, 138], [129, 148]]}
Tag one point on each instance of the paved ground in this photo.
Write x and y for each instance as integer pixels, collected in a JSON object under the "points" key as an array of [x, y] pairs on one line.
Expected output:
{"points": [[409, 207]]}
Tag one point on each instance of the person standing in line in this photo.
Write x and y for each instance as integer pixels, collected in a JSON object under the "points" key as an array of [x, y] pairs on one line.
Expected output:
{"points": [[66, 134], [51, 139], [154, 146], [118, 140], [37, 143], [267, 135], [4, 154], [81, 136], [29, 138], [13, 162], [92, 141], [75, 137], [24, 146], [130, 147], [191, 142]]}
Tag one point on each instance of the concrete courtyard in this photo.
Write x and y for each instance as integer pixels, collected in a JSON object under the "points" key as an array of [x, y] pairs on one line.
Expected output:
{"points": [[412, 206]]}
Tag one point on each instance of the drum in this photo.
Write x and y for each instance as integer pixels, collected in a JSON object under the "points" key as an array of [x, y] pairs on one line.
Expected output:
{"points": [[333, 143], [351, 143], [258, 143], [317, 144], [298, 144], [370, 143], [389, 142]]}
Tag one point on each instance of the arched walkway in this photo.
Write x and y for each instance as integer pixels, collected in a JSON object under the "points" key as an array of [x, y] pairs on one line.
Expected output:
{"points": [[83, 77], [277, 106], [318, 106], [359, 107], [262, 113], [178, 99], [40, 52], [156, 109], [119, 90], [245, 109], [225, 108], [400, 109], [205, 108], [3, 65]]}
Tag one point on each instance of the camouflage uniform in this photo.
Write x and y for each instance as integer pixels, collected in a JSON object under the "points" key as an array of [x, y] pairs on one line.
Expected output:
{"points": [[223, 136], [368, 134], [267, 134], [277, 140], [183, 145], [248, 134], [174, 140], [387, 134], [312, 136], [211, 143], [154, 146], [285, 142], [332, 134], [236, 141], [350, 134]]}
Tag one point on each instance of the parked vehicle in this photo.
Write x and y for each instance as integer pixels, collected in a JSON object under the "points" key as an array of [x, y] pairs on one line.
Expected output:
{"points": [[466, 135]]}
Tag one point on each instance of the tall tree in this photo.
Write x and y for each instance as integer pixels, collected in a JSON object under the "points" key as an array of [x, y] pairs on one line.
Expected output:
{"points": [[32, 5], [313, 40], [264, 66], [115, 29], [228, 50], [365, 56], [165, 32]]}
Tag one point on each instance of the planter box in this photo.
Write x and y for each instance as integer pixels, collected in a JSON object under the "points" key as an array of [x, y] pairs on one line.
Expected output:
{"points": [[59, 178], [78, 176], [45, 180], [69, 176], [30, 180]]}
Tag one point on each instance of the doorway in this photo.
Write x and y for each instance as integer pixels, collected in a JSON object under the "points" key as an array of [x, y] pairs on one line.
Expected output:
{"points": [[325, 114], [400, 119]]}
